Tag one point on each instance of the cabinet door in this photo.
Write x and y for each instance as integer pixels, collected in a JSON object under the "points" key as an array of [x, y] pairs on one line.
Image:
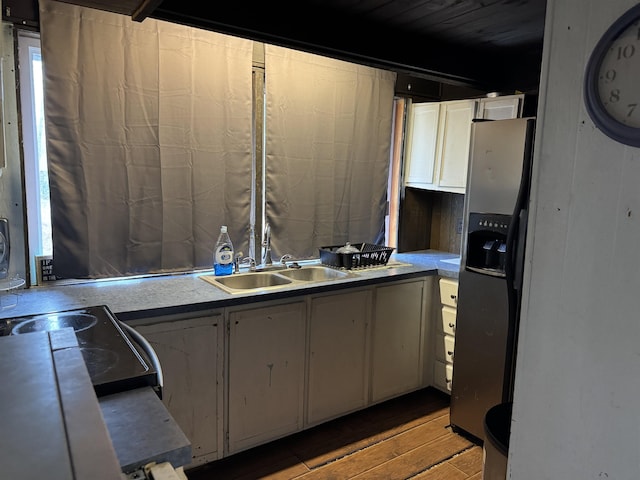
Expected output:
{"points": [[337, 355], [455, 137], [443, 376], [501, 108], [189, 352], [444, 347], [397, 340], [266, 374], [422, 136], [449, 292]]}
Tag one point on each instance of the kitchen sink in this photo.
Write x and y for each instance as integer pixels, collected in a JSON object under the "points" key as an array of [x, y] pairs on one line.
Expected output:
{"points": [[314, 274], [270, 280], [248, 281]]}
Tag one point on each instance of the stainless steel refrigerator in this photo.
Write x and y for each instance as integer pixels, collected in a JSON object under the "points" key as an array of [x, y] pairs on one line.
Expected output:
{"points": [[489, 288]]}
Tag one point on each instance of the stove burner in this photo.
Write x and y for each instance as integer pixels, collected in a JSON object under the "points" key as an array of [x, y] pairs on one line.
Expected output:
{"points": [[47, 323], [114, 363]]}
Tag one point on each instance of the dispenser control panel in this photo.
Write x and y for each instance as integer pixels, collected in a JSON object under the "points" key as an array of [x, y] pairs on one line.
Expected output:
{"points": [[489, 222], [487, 243]]}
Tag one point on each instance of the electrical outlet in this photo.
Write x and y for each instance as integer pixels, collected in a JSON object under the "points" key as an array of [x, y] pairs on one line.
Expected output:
{"points": [[459, 226]]}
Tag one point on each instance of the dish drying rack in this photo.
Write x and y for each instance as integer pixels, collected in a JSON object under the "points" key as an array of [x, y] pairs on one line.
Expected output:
{"points": [[369, 255]]}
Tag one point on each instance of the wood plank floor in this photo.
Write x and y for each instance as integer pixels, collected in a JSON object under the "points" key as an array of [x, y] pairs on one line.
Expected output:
{"points": [[407, 437]]}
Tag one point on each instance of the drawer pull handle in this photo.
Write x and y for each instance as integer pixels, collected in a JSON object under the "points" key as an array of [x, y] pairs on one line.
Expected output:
{"points": [[452, 325], [450, 353], [453, 297]]}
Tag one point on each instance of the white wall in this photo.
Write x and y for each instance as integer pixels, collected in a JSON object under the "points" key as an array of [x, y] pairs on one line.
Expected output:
{"points": [[577, 394]]}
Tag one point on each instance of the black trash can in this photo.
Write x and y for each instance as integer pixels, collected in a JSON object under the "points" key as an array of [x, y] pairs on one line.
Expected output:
{"points": [[497, 426]]}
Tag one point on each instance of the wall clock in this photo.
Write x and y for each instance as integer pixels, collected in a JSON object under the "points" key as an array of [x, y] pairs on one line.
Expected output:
{"points": [[612, 80]]}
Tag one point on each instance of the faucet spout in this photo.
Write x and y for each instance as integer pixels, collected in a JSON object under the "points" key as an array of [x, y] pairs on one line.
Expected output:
{"points": [[266, 246]]}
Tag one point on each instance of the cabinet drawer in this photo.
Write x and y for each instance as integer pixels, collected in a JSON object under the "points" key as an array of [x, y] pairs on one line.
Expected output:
{"points": [[448, 324], [444, 348], [443, 375], [448, 292]]}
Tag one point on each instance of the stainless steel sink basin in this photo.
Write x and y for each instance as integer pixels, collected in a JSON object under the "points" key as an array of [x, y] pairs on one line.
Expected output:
{"points": [[314, 274], [248, 281], [254, 282]]}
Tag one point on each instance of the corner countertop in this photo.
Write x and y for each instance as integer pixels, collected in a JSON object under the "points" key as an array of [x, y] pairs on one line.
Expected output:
{"points": [[153, 296]]}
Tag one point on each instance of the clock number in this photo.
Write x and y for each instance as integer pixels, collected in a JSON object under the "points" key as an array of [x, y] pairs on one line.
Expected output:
{"points": [[632, 107], [614, 95], [626, 52], [610, 75]]}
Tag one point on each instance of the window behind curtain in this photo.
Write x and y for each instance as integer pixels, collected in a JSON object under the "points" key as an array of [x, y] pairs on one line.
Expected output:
{"points": [[149, 138], [328, 140], [34, 150]]}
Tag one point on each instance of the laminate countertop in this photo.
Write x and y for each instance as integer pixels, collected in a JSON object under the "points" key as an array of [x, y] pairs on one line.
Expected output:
{"points": [[135, 298]]}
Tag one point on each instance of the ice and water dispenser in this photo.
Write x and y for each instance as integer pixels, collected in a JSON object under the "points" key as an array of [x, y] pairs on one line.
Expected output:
{"points": [[487, 243]]}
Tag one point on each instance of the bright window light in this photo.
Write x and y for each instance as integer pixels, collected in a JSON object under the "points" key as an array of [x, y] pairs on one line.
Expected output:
{"points": [[34, 145]]}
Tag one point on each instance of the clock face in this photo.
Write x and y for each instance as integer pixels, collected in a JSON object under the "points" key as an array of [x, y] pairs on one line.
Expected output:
{"points": [[612, 80], [618, 81]]}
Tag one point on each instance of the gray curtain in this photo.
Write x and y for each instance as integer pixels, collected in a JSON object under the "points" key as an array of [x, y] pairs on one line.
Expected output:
{"points": [[328, 140], [149, 141]]}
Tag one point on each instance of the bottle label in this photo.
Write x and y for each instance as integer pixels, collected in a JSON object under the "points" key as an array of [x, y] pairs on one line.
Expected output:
{"points": [[224, 255]]}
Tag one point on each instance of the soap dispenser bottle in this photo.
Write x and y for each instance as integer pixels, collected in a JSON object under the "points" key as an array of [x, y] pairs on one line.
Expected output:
{"points": [[223, 254]]}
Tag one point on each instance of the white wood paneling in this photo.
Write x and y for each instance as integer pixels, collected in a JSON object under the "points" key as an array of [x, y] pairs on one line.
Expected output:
{"points": [[575, 402]]}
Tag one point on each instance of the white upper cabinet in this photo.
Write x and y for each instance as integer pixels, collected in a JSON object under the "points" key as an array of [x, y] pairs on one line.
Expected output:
{"points": [[454, 134], [437, 148], [501, 108], [422, 136], [439, 135]]}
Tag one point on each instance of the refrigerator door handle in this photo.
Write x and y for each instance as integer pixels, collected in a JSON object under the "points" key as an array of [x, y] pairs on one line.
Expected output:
{"points": [[516, 234], [514, 265]]}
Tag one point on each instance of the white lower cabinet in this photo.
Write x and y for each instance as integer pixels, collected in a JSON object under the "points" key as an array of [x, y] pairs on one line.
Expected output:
{"points": [[397, 341], [190, 353], [245, 375], [337, 374], [443, 376], [265, 373], [444, 335]]}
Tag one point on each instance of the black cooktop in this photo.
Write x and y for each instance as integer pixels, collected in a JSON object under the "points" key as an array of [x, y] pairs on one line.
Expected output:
{"points": [[113, 360]]}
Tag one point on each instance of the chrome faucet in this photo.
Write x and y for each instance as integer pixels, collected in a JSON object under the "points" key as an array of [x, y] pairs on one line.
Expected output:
{"points": [[239, 260], [266, 247], [283, 261], [284, 258], [236, 262]]}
